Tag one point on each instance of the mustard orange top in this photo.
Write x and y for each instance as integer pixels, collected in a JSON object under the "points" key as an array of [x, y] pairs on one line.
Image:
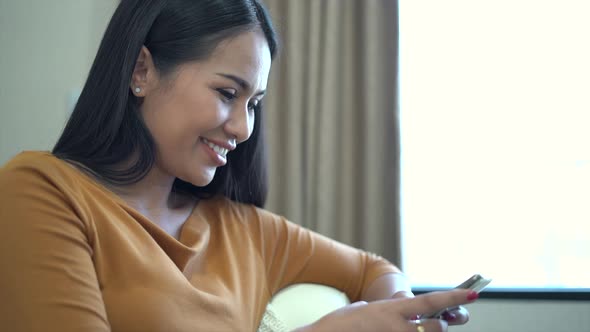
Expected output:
{"points": [[75, 257]]}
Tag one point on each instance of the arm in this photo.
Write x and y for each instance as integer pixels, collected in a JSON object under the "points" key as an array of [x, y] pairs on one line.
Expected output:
{"points": [[396, 286], [387, 286], [394, 315], [48, 281], [293, 254]]}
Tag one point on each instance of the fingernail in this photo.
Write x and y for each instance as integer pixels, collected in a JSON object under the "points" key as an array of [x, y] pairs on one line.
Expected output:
{"points": [[449, 316], [472, 296], [359, 303], [415, 317]]}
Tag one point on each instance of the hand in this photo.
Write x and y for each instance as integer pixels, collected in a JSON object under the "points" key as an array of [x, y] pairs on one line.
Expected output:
{"points": [[397, 314], [403, 295], [454, 316]]}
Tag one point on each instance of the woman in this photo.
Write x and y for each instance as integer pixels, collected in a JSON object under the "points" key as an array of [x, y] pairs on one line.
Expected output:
{"points": [[147, 214]]}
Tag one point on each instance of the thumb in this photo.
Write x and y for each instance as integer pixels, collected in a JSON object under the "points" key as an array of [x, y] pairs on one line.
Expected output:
{"points": [[357, 304], [402, 295]]}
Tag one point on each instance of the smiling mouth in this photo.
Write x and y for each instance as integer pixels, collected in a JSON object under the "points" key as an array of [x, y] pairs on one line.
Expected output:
{"points": [[218, 149]]}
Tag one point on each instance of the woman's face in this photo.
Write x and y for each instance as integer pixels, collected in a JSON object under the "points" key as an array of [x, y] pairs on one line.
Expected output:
{"points": [[203, 110]]}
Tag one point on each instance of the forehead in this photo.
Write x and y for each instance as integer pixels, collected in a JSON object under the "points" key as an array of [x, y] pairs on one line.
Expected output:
{"points": [[246, 55]]}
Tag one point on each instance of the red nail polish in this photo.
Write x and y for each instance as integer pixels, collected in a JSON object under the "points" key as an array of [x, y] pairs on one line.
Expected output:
{"points": [[449, 316], [472, 296]]}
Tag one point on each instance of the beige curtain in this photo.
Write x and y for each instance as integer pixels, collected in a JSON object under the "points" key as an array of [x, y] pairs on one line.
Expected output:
{"points": [[331, 119]]}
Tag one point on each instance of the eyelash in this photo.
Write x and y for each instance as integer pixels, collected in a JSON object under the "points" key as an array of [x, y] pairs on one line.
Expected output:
{"points": [[228, 97]]}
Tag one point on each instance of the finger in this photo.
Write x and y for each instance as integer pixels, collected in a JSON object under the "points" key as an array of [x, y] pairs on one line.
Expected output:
{"points": [[435, 325], [428, 325], [436, 301], [456, 316], [402, 295], [358, 304]]}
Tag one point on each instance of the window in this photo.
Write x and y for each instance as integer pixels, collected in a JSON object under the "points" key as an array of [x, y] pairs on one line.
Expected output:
{"points": [[495, 136]]}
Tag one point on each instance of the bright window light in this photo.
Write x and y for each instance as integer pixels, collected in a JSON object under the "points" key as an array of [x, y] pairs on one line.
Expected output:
{"points": [[495, 126]]}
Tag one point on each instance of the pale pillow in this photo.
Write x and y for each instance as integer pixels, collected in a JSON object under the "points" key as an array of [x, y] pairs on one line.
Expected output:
{"points": [[300, 305]]}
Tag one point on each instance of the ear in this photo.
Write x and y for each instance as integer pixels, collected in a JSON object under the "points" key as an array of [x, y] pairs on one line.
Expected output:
{"points": [[144, 77]]}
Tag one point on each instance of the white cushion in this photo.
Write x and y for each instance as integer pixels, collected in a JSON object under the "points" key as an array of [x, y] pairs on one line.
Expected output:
{"points": [[303, 304]]}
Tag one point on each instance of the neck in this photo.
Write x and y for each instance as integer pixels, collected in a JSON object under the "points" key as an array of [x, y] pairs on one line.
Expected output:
{"points": [[153, 197], [152, 194]]}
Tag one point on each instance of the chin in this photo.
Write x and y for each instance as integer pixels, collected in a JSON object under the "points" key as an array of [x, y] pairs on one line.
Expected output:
{"points": [[201, 179]]}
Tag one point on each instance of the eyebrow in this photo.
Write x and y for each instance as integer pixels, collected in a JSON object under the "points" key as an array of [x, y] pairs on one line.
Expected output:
{"points": [[241, 82]]}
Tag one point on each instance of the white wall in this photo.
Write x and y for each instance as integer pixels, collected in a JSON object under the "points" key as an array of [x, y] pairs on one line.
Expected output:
{"points": [[489, 315], [47, 48]]}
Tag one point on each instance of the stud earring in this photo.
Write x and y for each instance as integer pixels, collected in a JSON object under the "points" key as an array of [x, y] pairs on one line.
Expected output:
{"points": [[137, 90]]}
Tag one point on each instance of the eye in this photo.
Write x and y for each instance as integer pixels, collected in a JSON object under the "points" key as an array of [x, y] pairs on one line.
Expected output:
{"points": [[227, 94], [253, 105]]}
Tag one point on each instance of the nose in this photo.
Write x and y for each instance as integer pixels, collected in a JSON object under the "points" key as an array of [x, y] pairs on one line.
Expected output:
{"points": [[240, 123]]}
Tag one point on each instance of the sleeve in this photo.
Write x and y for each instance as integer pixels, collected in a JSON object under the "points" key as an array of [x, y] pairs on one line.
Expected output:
{"points": [[47, 278], [293, 254]]}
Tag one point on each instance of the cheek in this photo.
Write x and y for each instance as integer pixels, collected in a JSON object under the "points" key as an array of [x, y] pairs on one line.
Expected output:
{"points": [[193, 116], [177, 122], [201, 110]]}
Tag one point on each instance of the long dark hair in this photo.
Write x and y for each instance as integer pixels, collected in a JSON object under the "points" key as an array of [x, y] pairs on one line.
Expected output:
{"points": [[106, 129]]}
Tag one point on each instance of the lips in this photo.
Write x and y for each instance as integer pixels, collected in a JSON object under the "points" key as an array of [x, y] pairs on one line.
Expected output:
{"points": [[218, 149]]}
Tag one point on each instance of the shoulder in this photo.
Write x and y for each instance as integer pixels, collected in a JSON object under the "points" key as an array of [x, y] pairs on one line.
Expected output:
{"points": [[39, 171], [240, 217], [33, 162], [25, 157], [245, 213], [39, 190]]}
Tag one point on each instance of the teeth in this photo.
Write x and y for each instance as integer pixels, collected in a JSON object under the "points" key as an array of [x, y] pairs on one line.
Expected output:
{"points": [[218, 149]]}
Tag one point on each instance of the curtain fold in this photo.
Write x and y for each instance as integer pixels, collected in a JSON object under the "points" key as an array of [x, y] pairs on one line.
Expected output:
{"points": [[332, 120]]}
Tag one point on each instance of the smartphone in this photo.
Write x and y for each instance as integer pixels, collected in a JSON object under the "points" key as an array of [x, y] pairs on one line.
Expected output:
{"points": [[476, 283]]}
